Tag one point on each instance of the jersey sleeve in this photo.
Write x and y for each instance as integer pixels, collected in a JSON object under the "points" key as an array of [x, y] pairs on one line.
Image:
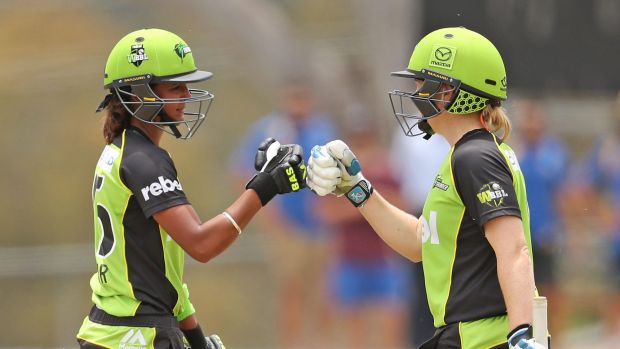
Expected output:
{"points": [[485, 183], [187, 308], [152, 178]]}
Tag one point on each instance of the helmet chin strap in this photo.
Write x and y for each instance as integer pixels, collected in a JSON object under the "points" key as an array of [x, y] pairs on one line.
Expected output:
{"points": [[425, 127], [166, 118]]}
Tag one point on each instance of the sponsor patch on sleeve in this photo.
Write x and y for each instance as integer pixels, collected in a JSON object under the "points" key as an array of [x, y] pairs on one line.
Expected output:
{"points": [[107, 158]]}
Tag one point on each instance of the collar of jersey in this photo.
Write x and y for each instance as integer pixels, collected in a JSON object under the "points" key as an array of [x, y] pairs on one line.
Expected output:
{"points": [[139, 131], [471, 134]]}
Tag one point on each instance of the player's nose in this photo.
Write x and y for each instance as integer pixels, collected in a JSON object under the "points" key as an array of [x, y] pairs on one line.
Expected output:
{"points": [[185, 91]]}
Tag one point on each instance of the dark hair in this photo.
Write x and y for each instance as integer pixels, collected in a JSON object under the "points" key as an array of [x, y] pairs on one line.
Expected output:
{"points": [[116, 120]]}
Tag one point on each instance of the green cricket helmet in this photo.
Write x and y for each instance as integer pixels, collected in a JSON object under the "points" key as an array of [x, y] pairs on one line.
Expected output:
{"points": [[459, 57], [151, 56]]}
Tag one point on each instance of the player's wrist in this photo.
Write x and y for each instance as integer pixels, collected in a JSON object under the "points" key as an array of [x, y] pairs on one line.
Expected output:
{"points": [[195, 337], [523, 331], [360, 192], [264, 185]]}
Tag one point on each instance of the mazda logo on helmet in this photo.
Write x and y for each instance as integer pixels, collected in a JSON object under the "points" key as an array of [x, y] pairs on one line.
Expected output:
{"points": [[443, 53]]}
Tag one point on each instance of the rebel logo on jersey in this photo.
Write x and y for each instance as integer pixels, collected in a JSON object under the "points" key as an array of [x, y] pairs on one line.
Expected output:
{"points": [[163, 185]]}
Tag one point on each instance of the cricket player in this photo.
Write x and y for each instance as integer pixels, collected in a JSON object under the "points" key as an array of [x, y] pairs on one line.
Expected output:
{"points": [[144, 222], [473, 236]]}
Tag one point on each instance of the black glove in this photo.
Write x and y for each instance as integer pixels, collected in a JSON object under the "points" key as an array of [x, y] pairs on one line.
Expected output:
{"points": [[522, 338], [281, 170], [197, 340]]}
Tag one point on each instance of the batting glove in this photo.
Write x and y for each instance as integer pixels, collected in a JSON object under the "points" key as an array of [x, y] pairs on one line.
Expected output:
{"points": [[333, 168], [522, 338], [281, 170], [323, 172], [214, 342], [197, 340]]}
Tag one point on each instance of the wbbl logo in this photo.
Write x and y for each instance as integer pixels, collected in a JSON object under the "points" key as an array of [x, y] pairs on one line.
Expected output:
{"points": [[137, 55], [492, 194]]}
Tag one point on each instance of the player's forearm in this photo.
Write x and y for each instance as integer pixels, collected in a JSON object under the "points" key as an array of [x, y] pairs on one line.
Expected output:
{"points": [[188, 323], [516, 279], [203, 241], [218, 233], [396, 227]]}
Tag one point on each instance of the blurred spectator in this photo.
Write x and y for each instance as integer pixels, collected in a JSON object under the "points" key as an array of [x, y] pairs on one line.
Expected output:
{"points": [[544, 162], [583, 268], [299, 240], [368, 280], [416, 161], [603, 168]]}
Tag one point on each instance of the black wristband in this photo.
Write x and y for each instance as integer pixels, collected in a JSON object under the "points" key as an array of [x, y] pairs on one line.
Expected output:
{"points": [[360, 193], [264, 185], [527, 335], [195, 338]]}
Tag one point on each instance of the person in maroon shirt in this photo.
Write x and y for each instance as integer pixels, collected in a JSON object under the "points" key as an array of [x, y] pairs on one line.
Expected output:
{"points": [[367, 280]]}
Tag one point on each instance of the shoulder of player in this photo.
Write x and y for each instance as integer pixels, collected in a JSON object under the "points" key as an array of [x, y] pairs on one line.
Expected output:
{"points": [[475, 151], [140, 152]]}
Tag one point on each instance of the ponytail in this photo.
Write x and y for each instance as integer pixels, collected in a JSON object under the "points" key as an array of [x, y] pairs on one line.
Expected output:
{"points": [[117, 118], [495, 119]]}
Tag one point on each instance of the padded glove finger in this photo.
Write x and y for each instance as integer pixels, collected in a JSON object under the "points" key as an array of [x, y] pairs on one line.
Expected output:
{"points": [[261, 155], [214, 342], [333, 173], [341, 152], [297, 154], [320, 157], [320, 190], [325, 181]]}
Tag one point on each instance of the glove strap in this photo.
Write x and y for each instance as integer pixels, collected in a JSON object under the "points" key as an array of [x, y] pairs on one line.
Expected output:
{"points": [[360, 193], [196, 338], [264, 185], [523, 331]]}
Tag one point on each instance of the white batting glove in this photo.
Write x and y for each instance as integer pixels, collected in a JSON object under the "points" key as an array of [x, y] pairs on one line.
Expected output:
{"points": [[323, 172], [348, 180], [521, 338], [214, 342]]}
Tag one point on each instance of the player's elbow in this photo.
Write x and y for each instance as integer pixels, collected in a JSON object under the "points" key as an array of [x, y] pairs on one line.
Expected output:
{"points": [[414, 256], [201, 252], [209, 247], [200, 256], [519, 250]]}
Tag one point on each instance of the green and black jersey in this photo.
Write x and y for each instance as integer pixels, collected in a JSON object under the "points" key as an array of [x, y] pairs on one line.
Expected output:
{"points": [[139, 267], [479, 180]]}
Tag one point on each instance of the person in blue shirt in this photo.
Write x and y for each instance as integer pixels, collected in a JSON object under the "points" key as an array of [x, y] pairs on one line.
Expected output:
{"points": [[544, 161], [603, 172], [297, 234]]}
